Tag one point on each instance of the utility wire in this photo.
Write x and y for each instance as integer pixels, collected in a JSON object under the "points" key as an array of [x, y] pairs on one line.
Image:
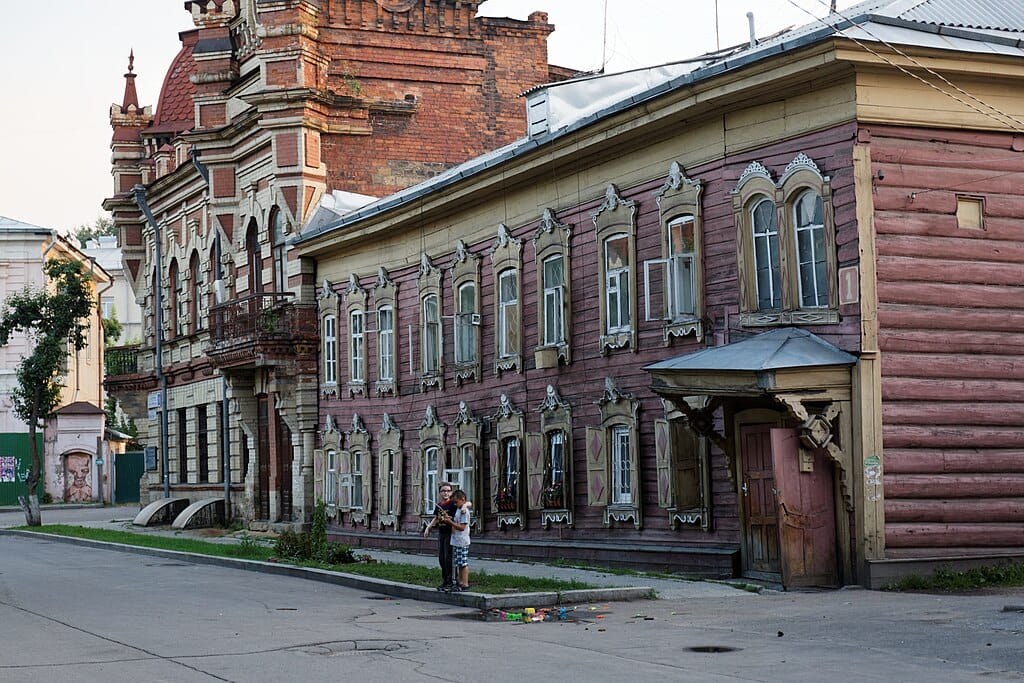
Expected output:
{"points": [[1016, 124]]}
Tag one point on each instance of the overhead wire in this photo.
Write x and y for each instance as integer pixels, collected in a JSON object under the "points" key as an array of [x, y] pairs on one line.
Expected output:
{"points": [[1016, 124]]}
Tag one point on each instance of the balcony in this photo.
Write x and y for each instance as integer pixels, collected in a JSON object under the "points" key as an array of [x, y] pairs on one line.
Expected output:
{"points": [[128, 368], [262, 330]]}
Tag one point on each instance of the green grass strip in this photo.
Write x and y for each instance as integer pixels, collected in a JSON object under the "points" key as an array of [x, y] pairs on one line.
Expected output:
{"points": [[997, 575], [416, 575]]}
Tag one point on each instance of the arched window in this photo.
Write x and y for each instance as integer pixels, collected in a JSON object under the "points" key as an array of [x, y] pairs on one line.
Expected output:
{"points": [[810, 250], [254, 259], [280, 250], [196, 308], [466, 322], [177, 303], [768, 276], [508, 313], [357, 349], [330, 333]]}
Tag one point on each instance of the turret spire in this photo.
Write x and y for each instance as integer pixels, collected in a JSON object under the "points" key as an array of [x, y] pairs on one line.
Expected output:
{"points": [[131, 98]]}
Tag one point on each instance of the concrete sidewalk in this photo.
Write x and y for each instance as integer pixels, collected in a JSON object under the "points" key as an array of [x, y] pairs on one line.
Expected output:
{"points": [[120, 519]]}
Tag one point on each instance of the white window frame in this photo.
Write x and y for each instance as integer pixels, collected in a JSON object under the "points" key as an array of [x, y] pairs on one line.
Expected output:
{"points": [[386, 344], [466, 322], [553, 311], [330, 331], [506, 348], [356, 480], [816, 259], [621, 465], [388, 494], [357, 345], [431, 454], [510, 449], [431, 351], [617, 301], [331, 478]]}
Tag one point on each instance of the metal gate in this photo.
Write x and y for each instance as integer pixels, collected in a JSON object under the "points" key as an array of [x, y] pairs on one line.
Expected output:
{"points": [[15, 462], [128, 470]]}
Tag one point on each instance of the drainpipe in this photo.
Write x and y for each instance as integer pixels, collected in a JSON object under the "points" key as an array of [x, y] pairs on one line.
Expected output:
{"points": [[139, 194]]}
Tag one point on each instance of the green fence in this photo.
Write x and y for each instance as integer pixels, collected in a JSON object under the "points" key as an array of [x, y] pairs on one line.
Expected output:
{"points": [[13, 472]]}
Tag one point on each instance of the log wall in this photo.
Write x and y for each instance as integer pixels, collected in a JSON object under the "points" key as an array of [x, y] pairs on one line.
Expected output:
{"points": [[951, 331]]}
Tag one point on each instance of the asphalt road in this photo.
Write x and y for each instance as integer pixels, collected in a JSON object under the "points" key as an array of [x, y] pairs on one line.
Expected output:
{"points": [[70, 613]]}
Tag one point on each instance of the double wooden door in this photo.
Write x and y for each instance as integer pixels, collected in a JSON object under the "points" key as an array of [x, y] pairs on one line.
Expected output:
{"points": [[789, 522]]}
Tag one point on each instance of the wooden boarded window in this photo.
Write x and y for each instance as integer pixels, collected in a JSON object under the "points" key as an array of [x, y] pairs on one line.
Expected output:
{"points": [[683, 473]]}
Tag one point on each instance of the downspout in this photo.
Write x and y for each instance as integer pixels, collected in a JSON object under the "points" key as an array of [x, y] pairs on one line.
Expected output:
{"points": [[139, 195]]}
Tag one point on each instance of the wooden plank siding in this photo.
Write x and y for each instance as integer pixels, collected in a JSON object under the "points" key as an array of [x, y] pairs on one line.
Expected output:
{"points": [[951, 331], [581, 382]]}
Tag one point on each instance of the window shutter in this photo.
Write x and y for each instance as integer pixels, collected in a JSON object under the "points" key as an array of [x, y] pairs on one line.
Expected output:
{"points": [[597, 467], [656, 289], [635, 485], [662, 450], [318, 475], [494, 472], [367, 464], [396, 501], [344, 480], [534, 469], [415, 481], [686, 448]]}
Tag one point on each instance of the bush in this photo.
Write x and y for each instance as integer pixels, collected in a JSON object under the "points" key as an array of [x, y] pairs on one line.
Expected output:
{"points": [[313, 545]]}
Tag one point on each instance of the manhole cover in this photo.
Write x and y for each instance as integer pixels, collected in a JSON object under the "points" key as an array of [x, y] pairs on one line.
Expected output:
{"points": [[712, 648]]}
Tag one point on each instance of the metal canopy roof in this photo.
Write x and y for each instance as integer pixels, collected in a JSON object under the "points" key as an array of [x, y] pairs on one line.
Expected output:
{"points": [[788, 347]]}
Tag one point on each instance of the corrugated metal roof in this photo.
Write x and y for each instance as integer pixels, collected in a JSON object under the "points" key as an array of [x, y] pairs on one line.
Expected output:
{"points": [[1000, 15], [788, 347]]}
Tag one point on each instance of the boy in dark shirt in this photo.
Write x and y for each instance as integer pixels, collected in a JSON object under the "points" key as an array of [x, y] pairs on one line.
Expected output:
{"points": [[445, 507]]}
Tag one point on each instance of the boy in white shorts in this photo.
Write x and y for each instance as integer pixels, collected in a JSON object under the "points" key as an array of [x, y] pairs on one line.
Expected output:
{"points": [[460, 541]]}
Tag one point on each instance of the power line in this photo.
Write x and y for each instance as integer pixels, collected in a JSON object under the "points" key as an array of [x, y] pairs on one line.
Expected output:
{"points": [[1016, 124]]}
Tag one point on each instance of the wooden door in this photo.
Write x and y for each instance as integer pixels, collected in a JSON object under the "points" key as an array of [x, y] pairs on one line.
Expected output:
{"points": [[806, 512], [757, 486], [284, 467], [262, 458]]}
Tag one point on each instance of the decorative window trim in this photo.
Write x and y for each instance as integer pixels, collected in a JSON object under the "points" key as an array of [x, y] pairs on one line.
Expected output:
{"points": [[431, 437], [682, 457], [330, 440], [428, 282], [355, 303], [385, 297], [506, 255], [327, 305], [389, 450], [465, 270], [278, 230], [555, 417], [611, 220], [553, 238], [468, 432], [508, 424], [754, 184], [679, 197], [358, 441], [618, 409]]}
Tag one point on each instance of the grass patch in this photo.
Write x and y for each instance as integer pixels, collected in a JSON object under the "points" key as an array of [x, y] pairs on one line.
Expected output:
{"points": [[481, 582], [1005, 574]]}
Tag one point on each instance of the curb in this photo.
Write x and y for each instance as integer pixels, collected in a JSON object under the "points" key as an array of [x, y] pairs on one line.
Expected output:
{"points": [[399, 590]]}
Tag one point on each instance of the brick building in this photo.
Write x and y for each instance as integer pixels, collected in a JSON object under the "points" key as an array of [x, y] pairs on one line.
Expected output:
{"points": [[275, 115]]}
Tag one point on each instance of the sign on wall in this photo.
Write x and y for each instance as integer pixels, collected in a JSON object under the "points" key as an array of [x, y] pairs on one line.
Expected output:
{"points": [[8, 469]]}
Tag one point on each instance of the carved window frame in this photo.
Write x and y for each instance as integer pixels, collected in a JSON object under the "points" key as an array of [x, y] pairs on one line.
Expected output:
{"points": [[355, 307], [619, 409], [357, 439], [389, 469], [555, 418], [428, 283], [465, 272], [468, 432], [678, 198], [508, 348], [330, 440], [553, 239], [616, 216], [431, 434], [327, 301], [509, 425], [755, 185], [385, 298]]}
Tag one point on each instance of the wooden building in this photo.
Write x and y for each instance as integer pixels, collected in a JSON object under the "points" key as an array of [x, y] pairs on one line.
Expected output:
{"points": [[272, 116], [759, 316]]}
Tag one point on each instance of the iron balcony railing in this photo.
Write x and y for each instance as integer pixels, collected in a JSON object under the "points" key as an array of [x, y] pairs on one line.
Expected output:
{"points": [[121, 360], [261, 316]]}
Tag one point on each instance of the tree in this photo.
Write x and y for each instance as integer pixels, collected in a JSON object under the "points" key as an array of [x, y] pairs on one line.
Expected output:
{"points": [[53, 318], [102, 226], [112, 329]]}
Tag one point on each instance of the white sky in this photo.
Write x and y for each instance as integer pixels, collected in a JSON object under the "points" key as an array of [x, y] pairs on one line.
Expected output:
{"points": [[62, 64]]}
